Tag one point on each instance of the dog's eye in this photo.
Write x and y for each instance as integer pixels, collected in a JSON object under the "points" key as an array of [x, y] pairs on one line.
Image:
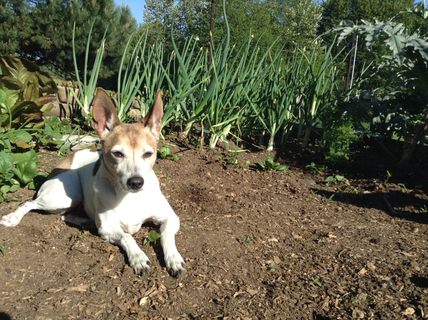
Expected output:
{"points": [[118, 154], [147, 154]]}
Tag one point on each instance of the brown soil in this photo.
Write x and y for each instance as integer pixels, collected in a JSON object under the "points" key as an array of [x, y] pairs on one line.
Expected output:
{"points": [[257, 244]]}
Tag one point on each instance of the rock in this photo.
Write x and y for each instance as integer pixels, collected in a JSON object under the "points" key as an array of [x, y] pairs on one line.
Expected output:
{"points": [[357, 314], [308, 183]]}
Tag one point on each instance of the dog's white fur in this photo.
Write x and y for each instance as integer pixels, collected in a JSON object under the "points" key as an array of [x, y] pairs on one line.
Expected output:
{"points": [[117, 186]]}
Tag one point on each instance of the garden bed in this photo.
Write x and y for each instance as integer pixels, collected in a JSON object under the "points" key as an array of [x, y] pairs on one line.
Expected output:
{"points": [[257, 244]]}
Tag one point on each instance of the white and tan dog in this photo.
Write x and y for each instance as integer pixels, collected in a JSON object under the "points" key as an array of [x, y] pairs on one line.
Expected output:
{"points": [[116, 185]]}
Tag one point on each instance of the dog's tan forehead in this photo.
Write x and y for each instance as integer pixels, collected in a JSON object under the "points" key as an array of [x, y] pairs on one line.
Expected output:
{"points": [[135, 136]]}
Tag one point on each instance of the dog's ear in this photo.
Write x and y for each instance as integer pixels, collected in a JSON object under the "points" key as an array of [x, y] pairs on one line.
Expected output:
{"points": [[153, 119], [103, 114]]}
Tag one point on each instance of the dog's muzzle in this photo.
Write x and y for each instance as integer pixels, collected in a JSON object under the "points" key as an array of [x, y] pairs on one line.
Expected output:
{"points": [[135, 183]]}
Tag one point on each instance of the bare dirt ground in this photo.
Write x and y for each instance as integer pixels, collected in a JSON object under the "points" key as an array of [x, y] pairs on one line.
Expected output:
{"points": [[257, 244]]}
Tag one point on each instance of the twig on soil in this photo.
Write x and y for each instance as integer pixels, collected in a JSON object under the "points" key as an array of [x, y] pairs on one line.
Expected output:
{"points": [[391, 210], [214, 265]]}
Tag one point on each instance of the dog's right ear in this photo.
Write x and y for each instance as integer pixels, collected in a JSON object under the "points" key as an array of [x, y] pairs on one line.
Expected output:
{"points": [[104, 114]]}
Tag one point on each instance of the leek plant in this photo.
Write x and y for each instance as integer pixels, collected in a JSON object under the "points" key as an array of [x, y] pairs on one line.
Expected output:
{"points": [[87, 90], [128, 87], [184, 76], [153, 76], [233, 76], [318, 85], [276, 108]]}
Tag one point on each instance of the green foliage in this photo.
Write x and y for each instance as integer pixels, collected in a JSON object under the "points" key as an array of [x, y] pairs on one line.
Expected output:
{"points": [[49, 29], [338, 139], [4, 246], [26, 92], [298, 22], [408, 52], [87, 88], [18, 170], [317, 168], [347, 12], [151, 237], [247, 240], [270, 165], [332, 180], [165, 153], [315, 281]]}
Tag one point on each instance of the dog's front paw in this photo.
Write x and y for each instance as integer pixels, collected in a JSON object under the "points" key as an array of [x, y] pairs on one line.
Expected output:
{"points": [[10, 220], [140, 263], [175, 265]]}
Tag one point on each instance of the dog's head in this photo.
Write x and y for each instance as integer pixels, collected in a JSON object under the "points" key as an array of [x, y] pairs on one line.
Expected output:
{"points": [[129, 150]]}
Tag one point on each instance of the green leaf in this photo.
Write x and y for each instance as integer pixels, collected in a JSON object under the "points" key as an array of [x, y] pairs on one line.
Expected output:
{"points": [[153, 236], [3, 96], [281, 168], [269, 160], [24, 136], [6, 165]]}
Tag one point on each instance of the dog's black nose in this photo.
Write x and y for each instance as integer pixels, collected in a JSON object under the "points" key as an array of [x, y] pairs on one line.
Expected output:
{"points": [[135, 183]]}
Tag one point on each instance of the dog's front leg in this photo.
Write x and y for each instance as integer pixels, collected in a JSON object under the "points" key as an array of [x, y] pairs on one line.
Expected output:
{"points": [[137, 258], [173, 260]]}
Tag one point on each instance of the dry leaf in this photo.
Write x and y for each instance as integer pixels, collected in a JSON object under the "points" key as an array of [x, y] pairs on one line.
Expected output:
{"points": [[276, 259]]}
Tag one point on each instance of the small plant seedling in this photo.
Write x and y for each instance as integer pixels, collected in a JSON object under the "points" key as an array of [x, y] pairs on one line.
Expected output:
{"points": [[315, 281], [332, 180], [272, 265], [388, 176], [270, 165], [152, 237], [196, 143], [403, 188], [185, 225], [317, 168], [330, 199], [3, 247], [247, 240], [165, 153], [424, 209], [79, 236]]}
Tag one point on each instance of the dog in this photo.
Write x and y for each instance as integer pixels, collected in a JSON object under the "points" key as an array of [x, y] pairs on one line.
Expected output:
{"points": [[117, 186]]}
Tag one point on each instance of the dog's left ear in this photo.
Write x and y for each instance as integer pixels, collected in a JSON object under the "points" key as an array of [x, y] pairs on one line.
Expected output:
{"points": [[153, 119], [104, 114]]}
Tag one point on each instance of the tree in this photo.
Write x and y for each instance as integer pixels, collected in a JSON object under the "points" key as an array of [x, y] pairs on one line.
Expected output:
{"points": [[245, 16], [298, 22], [190, 18], [13, 25], [47, 37]]}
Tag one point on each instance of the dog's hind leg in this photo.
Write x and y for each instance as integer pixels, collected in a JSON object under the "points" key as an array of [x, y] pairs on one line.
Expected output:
{"points": [[55, 196]]}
